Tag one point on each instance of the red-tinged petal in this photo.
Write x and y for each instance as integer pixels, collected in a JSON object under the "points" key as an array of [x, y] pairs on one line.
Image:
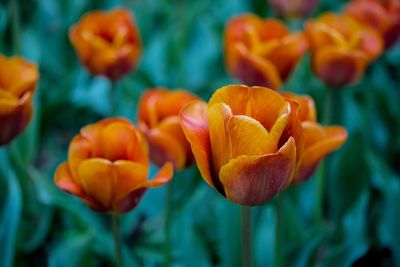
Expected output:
{"points": [[338, 67], [307, 110], [252, 180], [260, 103], [253, 70], [319, 142], [168, 143], [163, 176], [98, 179], [63, 179], [194, 122]]}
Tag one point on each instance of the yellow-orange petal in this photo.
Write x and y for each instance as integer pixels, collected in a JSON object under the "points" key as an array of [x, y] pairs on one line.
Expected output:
{"points": [[8, 102], [251, 69], [194, 122], [338, 67], [63, 179], [307, 110], [319, 142], [168, 143], [252, 180], [79, 149], [98, 179], [254, 102], [163, 176]]}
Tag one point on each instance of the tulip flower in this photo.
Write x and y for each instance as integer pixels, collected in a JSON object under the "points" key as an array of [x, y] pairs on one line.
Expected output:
{"points": [[108, 166], [319, 140], [18, 80], [294, 8], [159, 121], [341, 48], [108, 43], [246, 142], [384, 16], [262, 52]]}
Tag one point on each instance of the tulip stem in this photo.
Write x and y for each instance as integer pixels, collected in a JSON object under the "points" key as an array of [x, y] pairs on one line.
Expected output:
{"points": [[247, 247], [117, 239], [167, 225], [15, 26]]}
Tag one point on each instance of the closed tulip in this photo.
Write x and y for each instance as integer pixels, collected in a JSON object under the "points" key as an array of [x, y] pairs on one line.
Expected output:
{"points": [[246, 142], [319, 140], [18, 80], [341, 48], [108, 43], [262, 52], [294, 9], [384, 16], [108, 166], [159, 121]]}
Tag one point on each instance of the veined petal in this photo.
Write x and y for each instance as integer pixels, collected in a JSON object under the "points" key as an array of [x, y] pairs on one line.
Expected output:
{"points": [[194, 122], [252, 180], [262, 104]]}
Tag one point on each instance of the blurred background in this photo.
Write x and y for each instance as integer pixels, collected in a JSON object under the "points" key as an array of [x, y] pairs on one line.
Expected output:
{"points": [[183, 48]]}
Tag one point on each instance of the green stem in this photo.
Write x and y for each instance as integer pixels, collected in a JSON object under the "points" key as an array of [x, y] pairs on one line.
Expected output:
{"points": [[15, 26], [167, 225], [117, 239], [247, 247], [322, 173], [279, 259], [113, 98]]}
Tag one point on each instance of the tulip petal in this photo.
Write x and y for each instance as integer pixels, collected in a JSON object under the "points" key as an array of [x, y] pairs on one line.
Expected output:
{"points": [[79, 150], [218, 116], [8, 102], [254, 102], [63, 179], [319, 142], [194, 122], [163, 176], [252, 180], [168, 143], [98, 180]]}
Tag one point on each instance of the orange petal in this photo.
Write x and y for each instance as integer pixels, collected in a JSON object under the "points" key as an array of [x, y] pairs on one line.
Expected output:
{"points": [[163, 176], [252, 69], [253, 180], [338, 67], [319, 142], [8, 102], [307, 106], [168, 143], [262, 104], [98, 180], [79, 149], [194, 122], [63, 179]]}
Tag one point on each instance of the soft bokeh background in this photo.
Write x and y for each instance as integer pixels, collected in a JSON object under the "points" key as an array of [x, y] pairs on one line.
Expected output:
{"points": [[182, 39]]}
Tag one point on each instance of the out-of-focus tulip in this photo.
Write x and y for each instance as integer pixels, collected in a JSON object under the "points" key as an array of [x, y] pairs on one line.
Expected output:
{"points": [[18, 80], [262, 52], [384, 16], [246, 142], [108, 166], [159, 121], [319, 141], [108, 43], [342, 48], [294, 8]]}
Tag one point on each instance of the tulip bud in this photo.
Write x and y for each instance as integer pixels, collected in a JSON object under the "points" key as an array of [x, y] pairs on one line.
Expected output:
{"points": [[159, 121], [18, 80], [108, 43], [108, 166]]}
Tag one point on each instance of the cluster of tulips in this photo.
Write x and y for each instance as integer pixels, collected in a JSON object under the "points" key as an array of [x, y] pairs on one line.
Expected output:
{"points": [[249, 141]]}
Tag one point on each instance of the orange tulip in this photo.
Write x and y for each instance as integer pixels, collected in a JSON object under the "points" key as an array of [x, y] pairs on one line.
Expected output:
{"points": [[246, 142], [293, 8], [18, 80], [159, 121], [342, 48], [319, 141], [384, 16], [262, 52], [108, 166], [108, 43]]}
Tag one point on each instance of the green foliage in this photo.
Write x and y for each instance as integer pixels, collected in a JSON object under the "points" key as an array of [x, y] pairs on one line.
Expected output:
{"points": [[183, 48]]}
